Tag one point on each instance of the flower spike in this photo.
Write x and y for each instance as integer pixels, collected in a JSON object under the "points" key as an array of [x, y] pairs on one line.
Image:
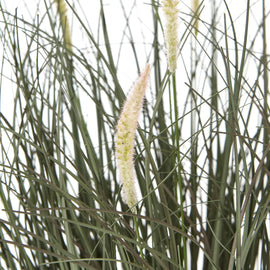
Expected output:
{"points": [[195, 5], [171, 32], [62, 11], [125, 138]]}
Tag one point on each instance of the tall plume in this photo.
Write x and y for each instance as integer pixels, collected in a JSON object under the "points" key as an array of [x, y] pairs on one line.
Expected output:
{"points": [[125, 138], [171, 32]]}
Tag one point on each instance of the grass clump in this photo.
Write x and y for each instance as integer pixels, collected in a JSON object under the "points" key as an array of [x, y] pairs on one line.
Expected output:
{"points": [[201, 155]]}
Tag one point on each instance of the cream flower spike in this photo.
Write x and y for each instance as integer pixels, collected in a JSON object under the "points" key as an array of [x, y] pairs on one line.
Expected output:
{"points": [[195, 5], [171, 32], [125, 138], [62, 11]]}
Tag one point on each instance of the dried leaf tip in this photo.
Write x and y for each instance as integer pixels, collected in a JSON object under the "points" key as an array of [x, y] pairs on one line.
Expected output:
{"points": [[125, 138]]}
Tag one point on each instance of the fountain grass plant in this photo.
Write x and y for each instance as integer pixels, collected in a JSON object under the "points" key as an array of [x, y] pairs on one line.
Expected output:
{"points": [[201, 155]]}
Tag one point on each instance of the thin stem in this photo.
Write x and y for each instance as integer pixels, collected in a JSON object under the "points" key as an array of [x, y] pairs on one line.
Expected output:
{"points": [[178, 162]]}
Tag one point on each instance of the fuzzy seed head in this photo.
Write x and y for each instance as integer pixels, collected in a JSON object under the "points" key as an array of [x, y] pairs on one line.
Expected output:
{"points": [[62, 11], [195, 6], [125, 138], [171, 32]]}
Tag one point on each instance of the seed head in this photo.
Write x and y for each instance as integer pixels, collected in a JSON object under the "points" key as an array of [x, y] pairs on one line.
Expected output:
{"points": [[62, 11], [195, 5], [171, 32], [125, 138]]}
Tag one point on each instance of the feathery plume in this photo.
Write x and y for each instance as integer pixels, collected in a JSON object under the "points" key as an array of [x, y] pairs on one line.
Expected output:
{"points": [[62, 11], [195, 5], [171, 32], [125, 138]]}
